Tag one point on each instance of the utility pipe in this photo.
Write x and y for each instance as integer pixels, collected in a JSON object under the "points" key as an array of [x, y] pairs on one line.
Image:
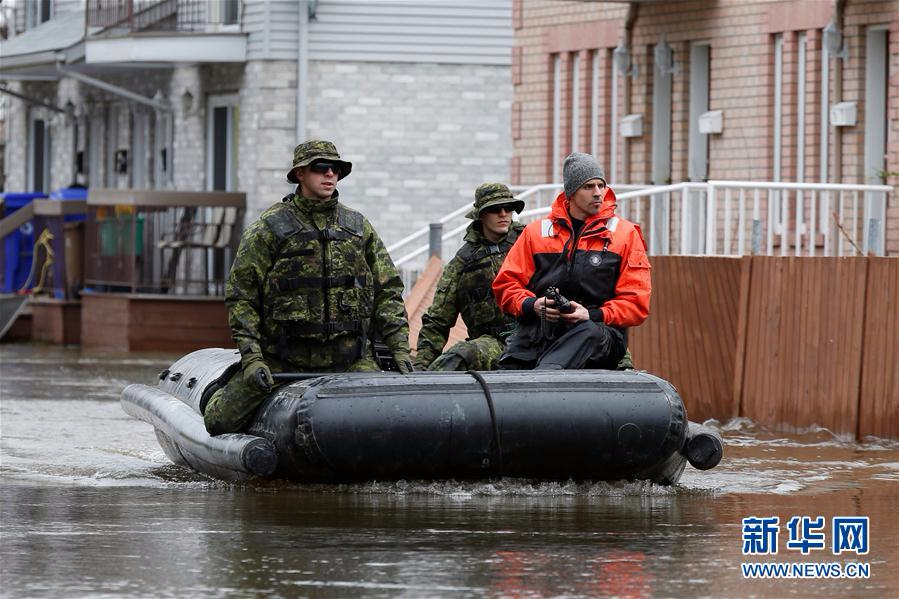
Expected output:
{"points": [[302, 68], [114, 89], [30, 100]]}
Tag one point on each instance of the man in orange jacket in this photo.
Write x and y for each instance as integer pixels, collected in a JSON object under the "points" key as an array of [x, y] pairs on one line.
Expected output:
{"points": [[595, 259]]}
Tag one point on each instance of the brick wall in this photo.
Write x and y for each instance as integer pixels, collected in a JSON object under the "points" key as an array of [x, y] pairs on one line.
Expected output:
{"points": [[421, 137], [267, 132], [741, 36]]}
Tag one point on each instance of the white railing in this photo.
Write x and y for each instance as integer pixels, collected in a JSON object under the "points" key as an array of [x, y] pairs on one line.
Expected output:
{"points": [[535, 197], [722, 218]]}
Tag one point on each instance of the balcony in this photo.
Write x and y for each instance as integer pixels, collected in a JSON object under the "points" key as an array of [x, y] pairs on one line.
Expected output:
{"points": [[111, 17]]}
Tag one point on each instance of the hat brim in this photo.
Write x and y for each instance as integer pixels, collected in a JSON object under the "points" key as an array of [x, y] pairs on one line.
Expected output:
{"points": [[345, 168], [475, 213]]}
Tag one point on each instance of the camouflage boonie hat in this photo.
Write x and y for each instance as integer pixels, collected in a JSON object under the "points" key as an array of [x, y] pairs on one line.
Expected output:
{"points": [[309, 151], [493, 194]]}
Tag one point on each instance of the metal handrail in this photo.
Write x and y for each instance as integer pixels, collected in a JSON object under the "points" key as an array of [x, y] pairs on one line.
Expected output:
{"points": [[799, 186], [526, 191], [741, 219]]}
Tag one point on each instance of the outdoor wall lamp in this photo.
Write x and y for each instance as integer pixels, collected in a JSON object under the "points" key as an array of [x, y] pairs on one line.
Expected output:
{"points": [[833, 42], [187, 101], [663, 57], [622, 60]]}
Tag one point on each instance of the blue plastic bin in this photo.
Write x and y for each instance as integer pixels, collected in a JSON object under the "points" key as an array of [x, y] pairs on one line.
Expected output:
{"points": [[70, 193], [18, 246]]}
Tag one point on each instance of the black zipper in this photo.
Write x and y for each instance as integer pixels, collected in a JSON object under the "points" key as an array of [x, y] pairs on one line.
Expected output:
{"points": [[574, 243]]}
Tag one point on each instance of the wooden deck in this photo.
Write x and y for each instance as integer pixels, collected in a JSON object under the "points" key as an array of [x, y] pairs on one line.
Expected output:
{"points": [[146, 322]]}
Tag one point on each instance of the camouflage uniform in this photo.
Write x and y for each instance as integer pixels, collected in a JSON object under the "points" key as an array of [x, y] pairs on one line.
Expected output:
{"points": [[464, 288], [309, 285]]}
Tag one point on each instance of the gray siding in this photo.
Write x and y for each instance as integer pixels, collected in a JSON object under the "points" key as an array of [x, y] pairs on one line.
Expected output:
{"points": [[436, 31], [419, 31], [271, 26]]}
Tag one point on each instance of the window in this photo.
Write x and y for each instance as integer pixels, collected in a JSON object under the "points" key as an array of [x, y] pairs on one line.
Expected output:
{"points": [[231, 12], [37, 12], [224, 12]]}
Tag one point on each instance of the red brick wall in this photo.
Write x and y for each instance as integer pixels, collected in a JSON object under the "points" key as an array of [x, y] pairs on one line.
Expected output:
{"points": [[741, 34]]}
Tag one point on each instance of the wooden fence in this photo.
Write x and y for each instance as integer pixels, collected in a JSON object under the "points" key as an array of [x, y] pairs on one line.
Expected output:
{"points": [[788, 342]]}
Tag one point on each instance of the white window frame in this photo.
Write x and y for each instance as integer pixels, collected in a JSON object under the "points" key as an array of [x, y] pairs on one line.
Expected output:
{"points": [[575, 99], [613, 132], [556, 116], [877, 47], [693, 213], [824, 150], [660, 210], [801, 90], [594, 104], [775, 216]]}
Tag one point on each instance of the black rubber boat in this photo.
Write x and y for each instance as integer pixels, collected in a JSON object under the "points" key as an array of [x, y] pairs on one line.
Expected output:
{"points": [[544, 425]]}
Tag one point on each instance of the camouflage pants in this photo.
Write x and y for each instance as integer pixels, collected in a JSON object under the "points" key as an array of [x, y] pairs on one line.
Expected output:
{"points": [[475, 354], [231, 408]]}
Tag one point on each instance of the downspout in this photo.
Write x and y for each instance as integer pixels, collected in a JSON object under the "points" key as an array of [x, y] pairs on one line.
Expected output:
{"points": [[837, 137], [628, 83], [306, 10]]}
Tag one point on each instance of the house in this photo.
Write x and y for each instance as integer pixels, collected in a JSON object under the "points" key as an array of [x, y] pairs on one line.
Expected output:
{"points": [[199, 95], [745, 90]]}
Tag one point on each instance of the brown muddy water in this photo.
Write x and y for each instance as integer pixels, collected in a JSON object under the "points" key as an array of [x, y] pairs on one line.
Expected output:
{"points": [[91, 507]]}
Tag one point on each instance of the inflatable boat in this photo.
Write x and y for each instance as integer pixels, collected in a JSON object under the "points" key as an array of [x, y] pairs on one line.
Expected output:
{"points": [[353, 427]]}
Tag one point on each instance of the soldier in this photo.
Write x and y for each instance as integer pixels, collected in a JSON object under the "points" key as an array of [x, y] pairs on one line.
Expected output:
{"points": [[310, 284], [464, 288]]}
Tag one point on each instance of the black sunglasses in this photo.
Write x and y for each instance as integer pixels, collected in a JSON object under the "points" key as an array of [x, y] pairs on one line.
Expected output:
{"points": [[324, 166], [500, 208]]}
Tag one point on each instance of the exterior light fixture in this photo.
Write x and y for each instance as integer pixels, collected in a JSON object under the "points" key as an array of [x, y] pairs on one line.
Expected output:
{"points": [[833, 42], [663, 57], [622, 59], [187, 101]]}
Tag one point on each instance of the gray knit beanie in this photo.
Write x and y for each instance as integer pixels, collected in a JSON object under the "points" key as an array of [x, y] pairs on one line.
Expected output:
{"points": [[577, 169]]}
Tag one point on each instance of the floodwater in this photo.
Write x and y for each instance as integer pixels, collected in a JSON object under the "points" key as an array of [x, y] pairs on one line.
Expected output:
{"points": [[91, 507]]}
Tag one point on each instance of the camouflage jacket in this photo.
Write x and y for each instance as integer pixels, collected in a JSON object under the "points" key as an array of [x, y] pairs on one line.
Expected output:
{"points": [[309, 273], [465, 288]]}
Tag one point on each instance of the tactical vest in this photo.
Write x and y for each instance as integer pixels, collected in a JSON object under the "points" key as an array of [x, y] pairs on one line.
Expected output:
{"points": [[319, 286], [474, 293]]}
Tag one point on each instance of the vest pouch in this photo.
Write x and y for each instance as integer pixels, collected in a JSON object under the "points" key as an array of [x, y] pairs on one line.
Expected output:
{"points": [[292, 308]]}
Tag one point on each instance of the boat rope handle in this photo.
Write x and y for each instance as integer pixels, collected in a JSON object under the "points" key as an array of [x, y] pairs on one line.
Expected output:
{"points": [[497, 438]]}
